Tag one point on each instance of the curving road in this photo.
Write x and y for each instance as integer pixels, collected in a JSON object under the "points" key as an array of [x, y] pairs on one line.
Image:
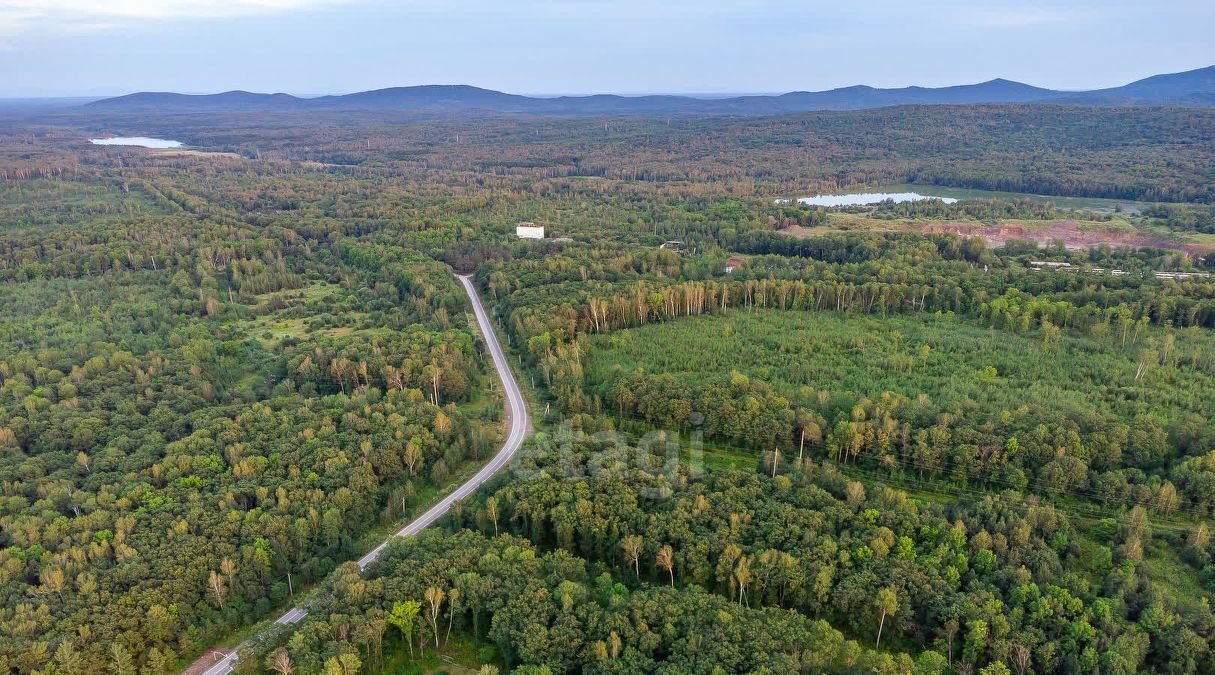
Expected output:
{"points": [[519, 427]]}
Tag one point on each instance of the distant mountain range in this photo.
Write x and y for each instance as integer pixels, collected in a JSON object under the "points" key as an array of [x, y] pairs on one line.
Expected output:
{"points": [[1192, 88]]}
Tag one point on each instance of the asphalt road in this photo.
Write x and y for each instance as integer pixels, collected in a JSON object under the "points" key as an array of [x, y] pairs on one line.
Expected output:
{"points": [[519, 425]]}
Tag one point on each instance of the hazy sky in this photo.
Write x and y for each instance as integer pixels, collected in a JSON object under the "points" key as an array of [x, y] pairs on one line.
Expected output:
{"points": [[90, 47]]}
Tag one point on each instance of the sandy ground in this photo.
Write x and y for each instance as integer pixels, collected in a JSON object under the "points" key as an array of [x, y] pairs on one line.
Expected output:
{"points": [[1070, 231], [1075, 234]]}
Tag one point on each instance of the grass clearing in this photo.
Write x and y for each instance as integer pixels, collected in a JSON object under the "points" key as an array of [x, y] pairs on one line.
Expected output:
{"points": [[958, 364]]}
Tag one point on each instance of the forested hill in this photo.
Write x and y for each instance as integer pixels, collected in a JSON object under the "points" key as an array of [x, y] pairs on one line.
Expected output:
{"points": [[1192, 88]]}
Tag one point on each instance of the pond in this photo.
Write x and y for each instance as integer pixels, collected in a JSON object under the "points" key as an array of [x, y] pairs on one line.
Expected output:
{"points": [[866, 198], [141, 141]]}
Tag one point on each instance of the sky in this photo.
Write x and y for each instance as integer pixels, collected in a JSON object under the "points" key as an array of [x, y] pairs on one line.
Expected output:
{"points": [[310, 47]]}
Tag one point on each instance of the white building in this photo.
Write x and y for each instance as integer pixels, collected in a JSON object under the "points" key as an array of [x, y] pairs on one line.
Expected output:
{"points": [[526, 230]]}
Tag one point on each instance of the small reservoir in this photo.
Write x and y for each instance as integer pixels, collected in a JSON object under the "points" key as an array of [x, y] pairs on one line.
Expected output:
{"points": [[867, 198], [140, 141]]}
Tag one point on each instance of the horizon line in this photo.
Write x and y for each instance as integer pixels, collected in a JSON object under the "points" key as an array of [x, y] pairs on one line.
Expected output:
{"points": [[700, 94]]}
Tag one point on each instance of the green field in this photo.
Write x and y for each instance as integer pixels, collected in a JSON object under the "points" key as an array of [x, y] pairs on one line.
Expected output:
{"points": [[960, 366]]}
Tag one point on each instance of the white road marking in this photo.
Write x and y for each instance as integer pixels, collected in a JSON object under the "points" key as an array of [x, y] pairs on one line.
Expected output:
{"points": [[292, 616]]}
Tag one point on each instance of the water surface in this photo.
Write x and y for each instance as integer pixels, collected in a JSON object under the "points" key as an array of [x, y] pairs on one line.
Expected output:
{"points": [[141, 141], [866, 198]]}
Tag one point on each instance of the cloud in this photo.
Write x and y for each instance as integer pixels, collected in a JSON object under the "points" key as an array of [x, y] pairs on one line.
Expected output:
{"points": [[69, 17]]}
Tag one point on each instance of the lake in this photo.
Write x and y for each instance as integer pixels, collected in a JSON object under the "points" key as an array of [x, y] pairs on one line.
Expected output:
{"points": [[140, 141], [866, 198]]}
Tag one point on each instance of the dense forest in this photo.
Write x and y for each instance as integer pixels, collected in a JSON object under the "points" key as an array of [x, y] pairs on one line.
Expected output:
{"points": [[1131, 153], [554, 612], [769, 437], [980, 579], [200, 417]]}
